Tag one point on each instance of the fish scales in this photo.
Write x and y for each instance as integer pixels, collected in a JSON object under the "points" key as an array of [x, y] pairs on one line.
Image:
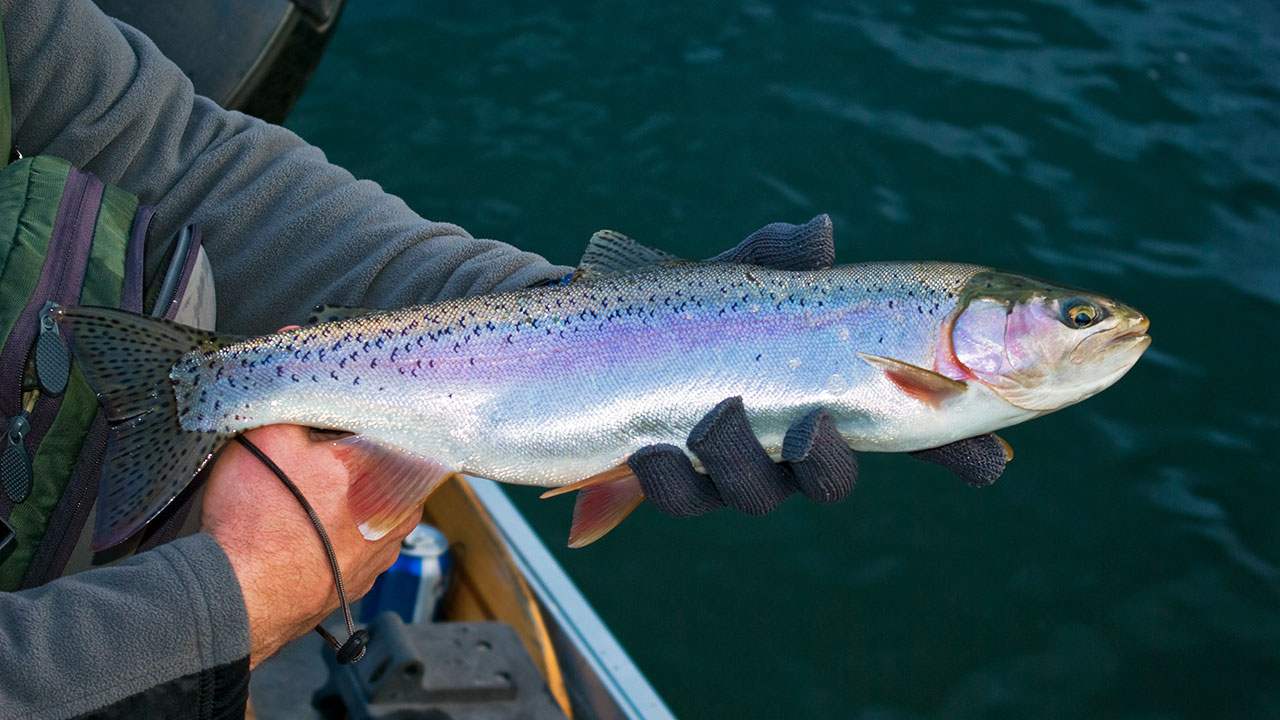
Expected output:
{"points": [[550, 385], [558, 385]]}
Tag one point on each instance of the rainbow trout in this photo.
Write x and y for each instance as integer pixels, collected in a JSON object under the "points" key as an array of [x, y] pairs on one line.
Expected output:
{"points": [[556, 386]]}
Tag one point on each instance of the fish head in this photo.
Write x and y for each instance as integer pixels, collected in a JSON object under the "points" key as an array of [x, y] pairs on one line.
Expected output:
{"points": [[1038, 345]]}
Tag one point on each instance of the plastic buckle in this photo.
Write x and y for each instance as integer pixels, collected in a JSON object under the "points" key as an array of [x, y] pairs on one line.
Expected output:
{"points": [[6, 534]]}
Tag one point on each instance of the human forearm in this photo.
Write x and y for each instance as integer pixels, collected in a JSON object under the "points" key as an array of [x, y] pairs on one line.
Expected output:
{"points": [[279, 562], [108, 635], [285, 229]]}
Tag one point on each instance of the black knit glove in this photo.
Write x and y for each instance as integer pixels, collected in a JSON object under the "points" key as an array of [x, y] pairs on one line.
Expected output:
{"points": [[815, 459]]}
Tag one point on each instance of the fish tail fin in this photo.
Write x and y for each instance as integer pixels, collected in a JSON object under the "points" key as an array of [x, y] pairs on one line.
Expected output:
{"points": [[603, 501], [126, 359]]}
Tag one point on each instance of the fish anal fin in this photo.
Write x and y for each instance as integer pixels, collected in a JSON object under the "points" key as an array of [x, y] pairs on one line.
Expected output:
{"points": [[612, 253], [608, 476], [603, 501], [388, 484], [926, 386], [1008, 449]]}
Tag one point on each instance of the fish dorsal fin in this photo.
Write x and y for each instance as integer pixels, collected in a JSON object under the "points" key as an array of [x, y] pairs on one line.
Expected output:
{"points": [[924, 385], [612, 253]]}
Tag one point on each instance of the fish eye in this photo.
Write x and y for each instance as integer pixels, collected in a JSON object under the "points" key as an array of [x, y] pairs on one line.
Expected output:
{"points": [[1078, 313]]}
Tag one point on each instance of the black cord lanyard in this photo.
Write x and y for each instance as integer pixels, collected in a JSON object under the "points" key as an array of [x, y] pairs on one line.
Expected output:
{"points": [[353, 649]]}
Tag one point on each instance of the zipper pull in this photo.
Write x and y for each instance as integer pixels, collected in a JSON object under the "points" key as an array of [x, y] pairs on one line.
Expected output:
{"points": [[15, 464], [53, 362]]}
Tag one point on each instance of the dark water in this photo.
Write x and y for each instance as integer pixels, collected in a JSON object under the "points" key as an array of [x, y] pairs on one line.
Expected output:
{"points": [[1128, 563]]}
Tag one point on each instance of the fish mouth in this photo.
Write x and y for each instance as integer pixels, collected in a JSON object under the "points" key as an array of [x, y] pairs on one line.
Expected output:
{"points": [[1133, 336], [1130, 338], [1140, 326], [1137, 334], [1130, 342]]}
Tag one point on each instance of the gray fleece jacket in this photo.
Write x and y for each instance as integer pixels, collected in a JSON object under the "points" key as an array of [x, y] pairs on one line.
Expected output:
{"points": [[285, 231]]}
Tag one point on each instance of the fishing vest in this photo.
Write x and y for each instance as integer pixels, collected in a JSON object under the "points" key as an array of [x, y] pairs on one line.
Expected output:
{"points": [[66, 238]]}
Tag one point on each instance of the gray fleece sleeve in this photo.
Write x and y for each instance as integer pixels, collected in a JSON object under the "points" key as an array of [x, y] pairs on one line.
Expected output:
{"points": [[285, 230], [89, 640]]}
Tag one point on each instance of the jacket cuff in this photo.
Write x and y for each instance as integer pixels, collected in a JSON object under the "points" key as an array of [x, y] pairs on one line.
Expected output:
{"points": [[217, 602]]}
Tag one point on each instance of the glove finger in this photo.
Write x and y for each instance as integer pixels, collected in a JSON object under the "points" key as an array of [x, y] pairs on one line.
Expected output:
{"points": [[823, 466], [977, 460], [784, 246], [671, 484], [743, 473]]}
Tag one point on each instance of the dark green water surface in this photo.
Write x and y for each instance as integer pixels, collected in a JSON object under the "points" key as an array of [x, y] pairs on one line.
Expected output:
{"points": [[1128, 563]]}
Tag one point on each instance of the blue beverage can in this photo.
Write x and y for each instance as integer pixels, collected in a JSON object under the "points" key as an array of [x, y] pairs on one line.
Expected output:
{"points": [[414, 586]]}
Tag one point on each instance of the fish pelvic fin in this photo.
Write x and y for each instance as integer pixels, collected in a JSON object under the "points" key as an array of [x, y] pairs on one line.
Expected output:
{"points": [[603, 501], [388, 484], [612, 253], [126, 359], [926, 386]]}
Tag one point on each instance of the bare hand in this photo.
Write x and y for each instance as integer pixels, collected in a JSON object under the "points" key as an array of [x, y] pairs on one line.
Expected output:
{"points": [[283, 571]]}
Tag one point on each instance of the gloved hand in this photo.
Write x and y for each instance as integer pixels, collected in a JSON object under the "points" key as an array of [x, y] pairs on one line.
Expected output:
{"points": [[815, 459]]}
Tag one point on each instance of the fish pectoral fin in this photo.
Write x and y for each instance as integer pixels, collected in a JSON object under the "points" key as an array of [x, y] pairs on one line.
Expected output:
{"points": [[924, 385], [604, 500], [388, 484], [612, 253]]}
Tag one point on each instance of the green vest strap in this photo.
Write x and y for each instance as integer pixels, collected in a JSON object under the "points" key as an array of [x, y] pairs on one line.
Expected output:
{"points": [[6, 111]]}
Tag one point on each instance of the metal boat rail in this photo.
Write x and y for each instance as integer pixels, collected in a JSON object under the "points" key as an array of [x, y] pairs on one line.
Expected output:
{"points": [[601, 678]]}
